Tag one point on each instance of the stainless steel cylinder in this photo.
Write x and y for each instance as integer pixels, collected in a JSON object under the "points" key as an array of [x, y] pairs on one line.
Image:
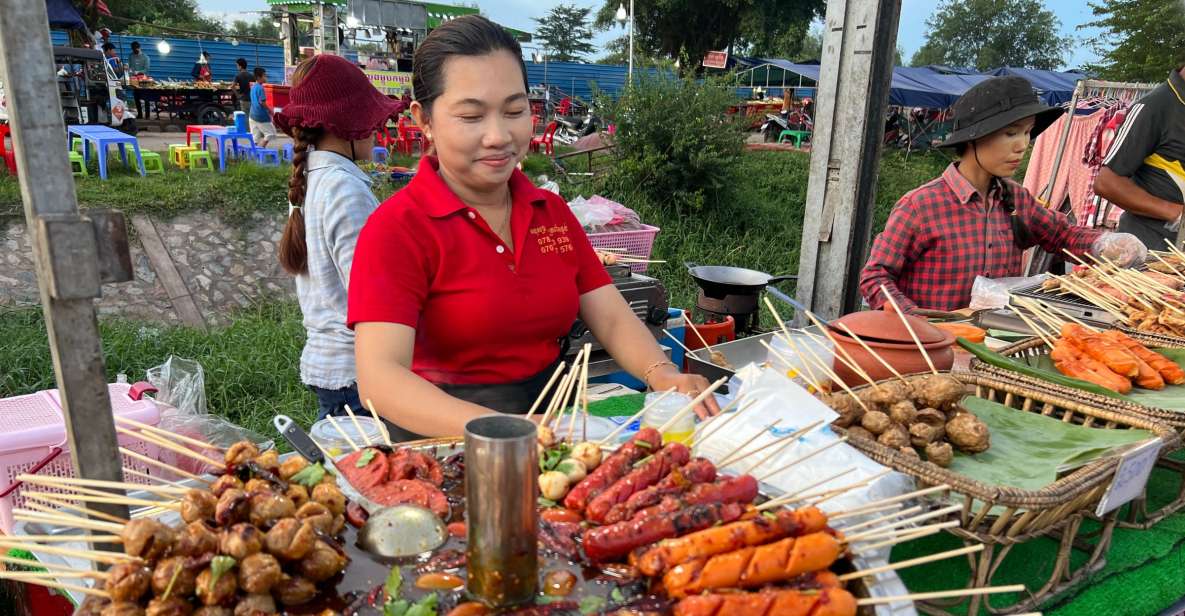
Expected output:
{"points": [[501, 490]]}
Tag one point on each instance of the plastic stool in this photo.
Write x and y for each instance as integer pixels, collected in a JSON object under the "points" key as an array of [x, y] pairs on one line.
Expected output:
{"points": [[178, 152], [152, 162], [194, 157], [267, 156], [286, 152], [379, 154], [76, 159], [77, 144]]}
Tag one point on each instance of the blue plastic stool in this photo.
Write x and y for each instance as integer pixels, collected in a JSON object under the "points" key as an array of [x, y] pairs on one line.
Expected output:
{"points": [[267, 156], [379, 154], [286, 152]]}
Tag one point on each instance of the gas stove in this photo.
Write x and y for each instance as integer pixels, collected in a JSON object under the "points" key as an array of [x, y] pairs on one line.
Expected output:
{"points": [[646, 296], [742, 308]]}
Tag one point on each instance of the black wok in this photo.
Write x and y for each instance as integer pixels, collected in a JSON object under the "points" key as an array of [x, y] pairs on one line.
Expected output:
{"points": [[718, 281]]}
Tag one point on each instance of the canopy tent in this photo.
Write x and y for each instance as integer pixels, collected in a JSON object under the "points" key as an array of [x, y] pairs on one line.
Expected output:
{"points": [[1054, 88], [63, 16]]}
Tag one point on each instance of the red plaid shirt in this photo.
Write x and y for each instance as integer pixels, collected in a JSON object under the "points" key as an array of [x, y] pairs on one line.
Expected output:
{"points": [[940, 237]]}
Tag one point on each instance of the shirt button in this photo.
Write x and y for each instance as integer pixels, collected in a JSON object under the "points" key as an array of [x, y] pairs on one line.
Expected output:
{"points": [[500, 249], [472, 216]]}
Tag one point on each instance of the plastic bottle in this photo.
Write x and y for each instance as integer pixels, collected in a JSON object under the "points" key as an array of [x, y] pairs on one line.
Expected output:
{"points": [[659, 414]]}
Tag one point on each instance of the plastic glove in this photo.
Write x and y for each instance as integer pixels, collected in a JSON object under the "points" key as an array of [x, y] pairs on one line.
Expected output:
{"points": [[1122, 249]]}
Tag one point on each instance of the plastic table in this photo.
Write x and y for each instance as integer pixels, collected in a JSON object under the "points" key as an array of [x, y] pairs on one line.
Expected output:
{"points": [[199, 130], [223, 134], [101, 137]]}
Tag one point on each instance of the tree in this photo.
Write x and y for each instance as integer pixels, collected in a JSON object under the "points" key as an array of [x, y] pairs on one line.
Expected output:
{"points": [[617, 52], [671, 28], [153, 14], [1142, 40], [986, 34], [565, 33], [265, 28]]}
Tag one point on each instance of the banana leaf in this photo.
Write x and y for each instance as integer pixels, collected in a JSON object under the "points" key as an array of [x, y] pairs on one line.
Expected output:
{"points": [[1027, 367], [1171, 398], [1028, 449]]}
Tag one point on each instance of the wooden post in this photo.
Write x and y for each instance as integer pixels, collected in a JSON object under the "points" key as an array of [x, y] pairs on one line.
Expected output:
{"points": [[65, 248], [859, 42]]}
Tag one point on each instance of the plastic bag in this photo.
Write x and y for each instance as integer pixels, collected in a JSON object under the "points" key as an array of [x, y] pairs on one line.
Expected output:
{"points": [[994, 292], [591, 214], [547, 184], [181, 397]]}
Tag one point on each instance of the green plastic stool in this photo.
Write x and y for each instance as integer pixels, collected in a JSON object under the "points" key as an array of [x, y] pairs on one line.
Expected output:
{"points": [[152, 163], [77, 144], [200, 156], [76, 159], [797, 135]]}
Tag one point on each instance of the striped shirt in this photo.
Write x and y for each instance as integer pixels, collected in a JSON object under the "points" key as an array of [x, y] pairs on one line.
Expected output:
{"points": [[337, 203]]}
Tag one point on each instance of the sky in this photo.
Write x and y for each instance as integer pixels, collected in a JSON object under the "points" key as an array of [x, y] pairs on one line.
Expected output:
{"points": [[518, 13]]}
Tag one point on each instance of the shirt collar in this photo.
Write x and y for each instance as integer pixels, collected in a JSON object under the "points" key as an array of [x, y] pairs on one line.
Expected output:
{"points": [[1177, 84], [438, 200], [958, 184], [324, 159]]}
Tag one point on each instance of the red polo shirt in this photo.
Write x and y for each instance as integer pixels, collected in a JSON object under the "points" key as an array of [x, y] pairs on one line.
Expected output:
{"points": [[483, 312]]}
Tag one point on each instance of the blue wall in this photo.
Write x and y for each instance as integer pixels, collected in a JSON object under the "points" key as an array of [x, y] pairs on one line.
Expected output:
{"points": [[577, 79], [178, 64]]}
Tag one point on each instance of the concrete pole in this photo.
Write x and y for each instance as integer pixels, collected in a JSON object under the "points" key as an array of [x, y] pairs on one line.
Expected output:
{"points": [[853, 91]]}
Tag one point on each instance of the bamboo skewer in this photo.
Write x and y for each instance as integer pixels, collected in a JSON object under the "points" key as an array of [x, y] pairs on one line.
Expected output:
{"points": [[135, 473], [23, 562], [909, 329], [942, 594], [168, 434], [543, 393], [905, 564], [723, 460], [843, 357], [554, 401], [357, 426], [71, 482], [799, 460], [690, 408], [797, 496], [707, 347], [1033, 326], [633, 418], [867, 511], [110, 558], [679, 342], [806, 363], [36, 507], [1156, 256], [68, 538], [113, 499], [560, 402], [896, 540], [581, 393], [903, 531], [874, 354], [830, 494], [157, 463], [584, 398], [86, 590], [779, 441], [711, 431], [185, 451], [337, 426], [22, 576], [892, 526], [828, 371], [382, 425], [892, 500], [884, 518]]}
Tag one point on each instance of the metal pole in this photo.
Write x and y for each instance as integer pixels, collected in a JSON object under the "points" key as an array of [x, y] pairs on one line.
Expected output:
{"points": [[630, 74], [853, 92], [66, 248]]}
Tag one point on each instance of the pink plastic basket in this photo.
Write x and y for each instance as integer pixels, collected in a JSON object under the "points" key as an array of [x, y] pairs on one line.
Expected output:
{"points": [[33, 433], [638, 242]]}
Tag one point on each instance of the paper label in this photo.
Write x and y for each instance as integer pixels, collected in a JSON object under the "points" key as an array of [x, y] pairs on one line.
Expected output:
{"points": [[1135, 465]]}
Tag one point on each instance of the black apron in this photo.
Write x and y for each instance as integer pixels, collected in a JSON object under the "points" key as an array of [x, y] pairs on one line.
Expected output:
{"points": [[513, 398]]}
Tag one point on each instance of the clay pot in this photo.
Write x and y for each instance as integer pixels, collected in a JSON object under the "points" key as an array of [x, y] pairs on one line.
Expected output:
{"points": [[887, 336]]}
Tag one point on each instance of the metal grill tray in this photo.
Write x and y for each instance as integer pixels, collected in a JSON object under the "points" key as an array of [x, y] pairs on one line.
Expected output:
{"points": [[1070, 304]]}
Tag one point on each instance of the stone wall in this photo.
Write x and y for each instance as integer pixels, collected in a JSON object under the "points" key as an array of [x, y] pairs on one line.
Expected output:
{"points": [[220, 267]]}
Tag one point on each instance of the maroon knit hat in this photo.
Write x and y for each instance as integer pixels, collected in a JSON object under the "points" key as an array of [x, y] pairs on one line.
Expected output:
{"points": [[335, 95]]}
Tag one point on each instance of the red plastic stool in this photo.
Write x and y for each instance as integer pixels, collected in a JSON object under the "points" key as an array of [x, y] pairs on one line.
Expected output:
{"points": [[712, 333]]}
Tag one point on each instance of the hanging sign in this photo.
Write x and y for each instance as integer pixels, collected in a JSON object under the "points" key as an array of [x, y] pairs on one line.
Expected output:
{"points": [[391, 83], [716, 59]]}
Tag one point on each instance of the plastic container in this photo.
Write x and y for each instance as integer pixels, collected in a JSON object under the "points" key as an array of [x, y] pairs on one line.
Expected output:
{"points": [[638, 243], [276, 95], [661, 413], [330, 438], [33, 440], [241, 125], [804, 370]]}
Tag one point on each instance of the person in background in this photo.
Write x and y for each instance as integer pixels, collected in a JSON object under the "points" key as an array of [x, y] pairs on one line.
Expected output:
{"points": [[975, 220], [113, 60], [332, 116], [201, 68], [243, 81], [138, 62], [1143, 171], [262, 129]]}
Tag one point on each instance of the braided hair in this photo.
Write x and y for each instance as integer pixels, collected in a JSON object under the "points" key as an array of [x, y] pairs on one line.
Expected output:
{"points": [[293, 249]]}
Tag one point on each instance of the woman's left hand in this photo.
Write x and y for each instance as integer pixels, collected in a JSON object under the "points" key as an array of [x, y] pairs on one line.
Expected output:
{"points": [[689, 384]]}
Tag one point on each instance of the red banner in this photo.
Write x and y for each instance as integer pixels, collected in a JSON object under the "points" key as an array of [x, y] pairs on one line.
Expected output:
{"points": [[716, 59]]}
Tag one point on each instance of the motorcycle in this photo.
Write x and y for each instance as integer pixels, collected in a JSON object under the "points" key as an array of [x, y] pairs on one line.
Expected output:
{"points": [[571, 130]]}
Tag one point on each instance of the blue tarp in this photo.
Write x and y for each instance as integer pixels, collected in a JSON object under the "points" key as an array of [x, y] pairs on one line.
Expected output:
{"points": [[62, 14], [1054, 88]]}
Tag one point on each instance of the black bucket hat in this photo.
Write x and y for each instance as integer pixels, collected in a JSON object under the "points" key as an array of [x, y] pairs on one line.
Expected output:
{"points": [[995, 103]]}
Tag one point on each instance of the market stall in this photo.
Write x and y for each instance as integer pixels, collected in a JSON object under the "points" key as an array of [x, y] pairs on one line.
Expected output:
{"points": [[191, 102]]}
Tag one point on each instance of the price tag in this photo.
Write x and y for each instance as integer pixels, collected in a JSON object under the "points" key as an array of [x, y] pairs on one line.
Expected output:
{"points": [[1135, 465]]}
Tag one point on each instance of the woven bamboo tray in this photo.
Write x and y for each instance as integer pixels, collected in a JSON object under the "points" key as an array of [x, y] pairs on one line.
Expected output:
{"points": [[1000, 517], [1138, 516]]}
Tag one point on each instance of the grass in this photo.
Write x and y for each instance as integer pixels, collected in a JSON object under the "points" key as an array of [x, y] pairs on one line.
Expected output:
{"points": [[252, 365]]}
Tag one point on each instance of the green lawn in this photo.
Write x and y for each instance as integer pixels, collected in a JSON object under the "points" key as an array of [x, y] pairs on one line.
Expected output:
{"points": [[252, 365]]}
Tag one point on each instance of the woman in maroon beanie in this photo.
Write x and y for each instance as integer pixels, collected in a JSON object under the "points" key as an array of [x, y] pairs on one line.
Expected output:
{"points": [[332, 116], [467, 282]]}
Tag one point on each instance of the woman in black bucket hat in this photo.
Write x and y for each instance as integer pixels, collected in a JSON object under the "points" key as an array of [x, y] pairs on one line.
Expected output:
{"points": [[974, 220]]}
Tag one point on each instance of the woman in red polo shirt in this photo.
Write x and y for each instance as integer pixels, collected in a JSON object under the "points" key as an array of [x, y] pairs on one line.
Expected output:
{"points": [[465, 282]]}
